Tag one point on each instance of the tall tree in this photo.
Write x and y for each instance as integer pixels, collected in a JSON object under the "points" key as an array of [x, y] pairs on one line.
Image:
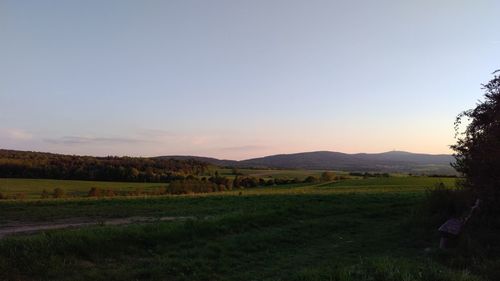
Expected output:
{"points": [[477, 150]]}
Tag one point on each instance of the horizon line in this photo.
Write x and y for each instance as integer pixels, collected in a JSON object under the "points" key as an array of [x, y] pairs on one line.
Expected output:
{"points": [[204, 156]]}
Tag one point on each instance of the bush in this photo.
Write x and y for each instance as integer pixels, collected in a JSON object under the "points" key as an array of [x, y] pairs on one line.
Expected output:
{"points": [[110, 193], [327, 176], [19, 196], [94, 192], [310, 179], [446, 202], [236, 172], [58, 193], [193, 186], [245, 182], [45, 194], [219, 180], [262, 182], [479, 237]]}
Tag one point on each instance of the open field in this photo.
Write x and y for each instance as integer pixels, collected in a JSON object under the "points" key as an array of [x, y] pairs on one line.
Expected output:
{"points": [[366, 229], [275, 173], [33, 210], [33, 188]]}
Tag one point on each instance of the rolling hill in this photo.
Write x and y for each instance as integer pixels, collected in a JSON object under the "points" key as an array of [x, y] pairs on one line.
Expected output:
{"points": [[393, 161], [72, 165]]}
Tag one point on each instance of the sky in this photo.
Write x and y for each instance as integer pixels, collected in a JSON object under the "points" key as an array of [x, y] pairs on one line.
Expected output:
{"points": [[239, 79]]}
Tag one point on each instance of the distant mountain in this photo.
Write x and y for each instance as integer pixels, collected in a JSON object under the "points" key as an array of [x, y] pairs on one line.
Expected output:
{"points": [[393, 161], [48, 165]]}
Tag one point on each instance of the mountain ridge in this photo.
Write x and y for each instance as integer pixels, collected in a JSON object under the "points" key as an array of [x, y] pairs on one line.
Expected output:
{"points": [[390, 161]]}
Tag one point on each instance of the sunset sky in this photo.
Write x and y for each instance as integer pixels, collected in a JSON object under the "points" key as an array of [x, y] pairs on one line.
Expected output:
{"points": [[239, 79]]}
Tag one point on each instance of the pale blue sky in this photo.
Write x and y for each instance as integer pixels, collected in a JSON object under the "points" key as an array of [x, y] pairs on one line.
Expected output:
{"points": [[237, 79]]}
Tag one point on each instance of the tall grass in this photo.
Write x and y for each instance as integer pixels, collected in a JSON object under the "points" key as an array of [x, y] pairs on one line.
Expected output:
{"points": [[478, 245], [386, 269]]}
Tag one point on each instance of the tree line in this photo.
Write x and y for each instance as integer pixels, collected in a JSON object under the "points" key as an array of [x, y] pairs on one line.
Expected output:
{"points": [[217, 183], [188, 185], [26, 164]]}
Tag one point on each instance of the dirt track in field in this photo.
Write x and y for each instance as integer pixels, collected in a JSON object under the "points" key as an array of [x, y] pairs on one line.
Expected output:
{"points": [[19, 228]]}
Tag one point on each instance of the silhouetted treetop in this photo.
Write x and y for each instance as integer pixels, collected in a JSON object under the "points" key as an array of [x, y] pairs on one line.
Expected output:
{"points": [[477, 150]]}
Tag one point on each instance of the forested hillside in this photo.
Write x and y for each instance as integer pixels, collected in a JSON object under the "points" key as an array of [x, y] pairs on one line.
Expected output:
{"points": [[25, 164]]}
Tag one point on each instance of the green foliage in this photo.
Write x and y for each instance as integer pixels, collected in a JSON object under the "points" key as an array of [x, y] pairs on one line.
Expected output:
{"points": [[224, 183], [327, 176], [45, 194], [58, 193], [477, 150], [24, 164], [236, 172], [247, 182], [94, 192], [311, 179], [192, 186], [447, 202], [97, 192], [477, 154]]}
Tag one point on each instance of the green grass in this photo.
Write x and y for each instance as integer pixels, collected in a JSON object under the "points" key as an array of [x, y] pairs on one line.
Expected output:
{"points": [[33, 188], [38, 210], [351, 230], [276, 173], [403, 184]]}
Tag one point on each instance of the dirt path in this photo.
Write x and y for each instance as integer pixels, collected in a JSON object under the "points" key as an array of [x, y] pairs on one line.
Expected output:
{"points": [[28, 228]]}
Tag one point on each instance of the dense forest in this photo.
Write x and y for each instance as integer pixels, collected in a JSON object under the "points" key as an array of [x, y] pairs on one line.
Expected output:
{"points": [[25, 164]]}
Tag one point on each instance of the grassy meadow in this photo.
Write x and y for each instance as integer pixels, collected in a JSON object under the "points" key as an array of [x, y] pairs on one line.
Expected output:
{"points": [[358, 229], [33, 188], [274, 173]]}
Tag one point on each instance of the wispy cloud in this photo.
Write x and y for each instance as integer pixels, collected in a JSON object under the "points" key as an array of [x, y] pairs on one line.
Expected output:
{"points": [[73, 140], [17, 134], [244, 148], [157, 133]]}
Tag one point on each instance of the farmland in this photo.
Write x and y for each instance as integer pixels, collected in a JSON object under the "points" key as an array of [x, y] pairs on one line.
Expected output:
{"points": [[33, 188], [188, 205], [275, 173], [347, 230]]}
